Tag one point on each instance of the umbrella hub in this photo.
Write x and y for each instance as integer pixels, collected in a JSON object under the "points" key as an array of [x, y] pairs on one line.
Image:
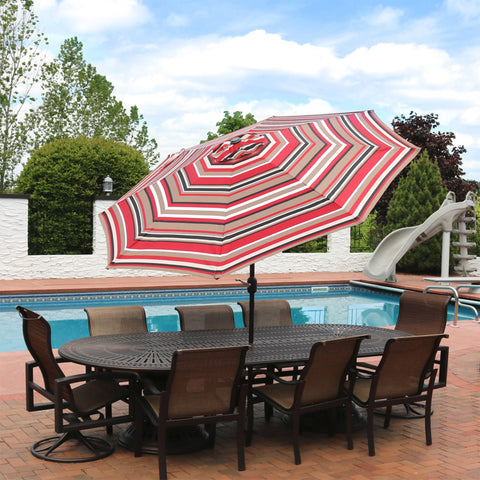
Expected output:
{"points": [[239, 148]]}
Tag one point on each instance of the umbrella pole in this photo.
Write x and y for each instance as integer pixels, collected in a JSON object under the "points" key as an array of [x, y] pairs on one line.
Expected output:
{"points": [[252, 288]]}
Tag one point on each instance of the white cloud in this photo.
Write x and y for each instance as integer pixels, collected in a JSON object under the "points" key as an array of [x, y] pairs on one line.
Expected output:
{"points": [[44, 4], [384, 16], [409, 62], [175, 20], [467, 8], [92, 16]]}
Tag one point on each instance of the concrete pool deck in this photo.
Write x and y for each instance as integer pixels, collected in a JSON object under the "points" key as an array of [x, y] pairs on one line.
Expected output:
{"points": [[401, 450]]}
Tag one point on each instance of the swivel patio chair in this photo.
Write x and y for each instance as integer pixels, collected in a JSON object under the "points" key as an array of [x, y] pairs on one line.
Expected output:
{"points": [[206, 317], [75, 408], [205, 387], [321, 386], [112, 320], [399, 379]]}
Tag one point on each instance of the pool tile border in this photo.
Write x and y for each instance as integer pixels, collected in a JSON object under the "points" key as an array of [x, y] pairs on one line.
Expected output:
{"points": [[192, 293]]}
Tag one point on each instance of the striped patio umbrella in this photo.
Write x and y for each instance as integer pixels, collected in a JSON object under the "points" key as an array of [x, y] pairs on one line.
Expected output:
{"points": [[226, 203]]}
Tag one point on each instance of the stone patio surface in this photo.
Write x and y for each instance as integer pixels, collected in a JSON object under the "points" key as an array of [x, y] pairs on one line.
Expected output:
{"points": [[401, 452]]}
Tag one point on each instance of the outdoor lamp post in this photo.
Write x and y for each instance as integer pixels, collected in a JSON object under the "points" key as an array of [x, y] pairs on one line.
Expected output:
{"points": [[107, 185]]}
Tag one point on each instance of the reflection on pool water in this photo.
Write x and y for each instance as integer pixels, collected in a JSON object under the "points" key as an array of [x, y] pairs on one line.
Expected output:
{"points": [[346, 303]]}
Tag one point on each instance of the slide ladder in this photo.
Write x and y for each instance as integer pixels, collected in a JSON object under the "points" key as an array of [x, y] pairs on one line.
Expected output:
{"points": [[393, 247]]}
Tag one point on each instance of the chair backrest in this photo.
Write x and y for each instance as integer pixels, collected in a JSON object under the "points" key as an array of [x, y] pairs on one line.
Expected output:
{"points": [[422, 313], [205, 381], [206, 317], [325, 372], [37, 335], [267, 312], [113, 320], [404, 365]]}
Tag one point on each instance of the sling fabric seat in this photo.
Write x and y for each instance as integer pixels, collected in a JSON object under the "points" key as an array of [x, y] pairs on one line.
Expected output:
{"points": [[399, 379], [422, 313], [267, 312], [205, 386], [206, 317], [112, 320], [321, 386], [75, 408]]}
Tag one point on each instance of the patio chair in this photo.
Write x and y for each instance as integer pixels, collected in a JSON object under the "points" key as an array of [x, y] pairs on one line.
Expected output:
{"points": [[205, 387], [267, 312], [399, 379], [206, 317], [112, 320], [321, 386], [422, 313], [270, 313], [122, 319], [75, 408]]}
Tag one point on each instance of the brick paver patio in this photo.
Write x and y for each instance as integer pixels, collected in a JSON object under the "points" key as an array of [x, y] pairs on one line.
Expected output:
{"points": [[401, 452]]}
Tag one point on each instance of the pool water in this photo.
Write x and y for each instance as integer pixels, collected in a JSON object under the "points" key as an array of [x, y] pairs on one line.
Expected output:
{"points": [[346, 303]]}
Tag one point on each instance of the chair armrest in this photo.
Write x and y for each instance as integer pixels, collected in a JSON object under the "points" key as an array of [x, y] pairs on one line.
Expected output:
{"points": [[365, 370], [273, 377], [442, 363], [96, 375]]}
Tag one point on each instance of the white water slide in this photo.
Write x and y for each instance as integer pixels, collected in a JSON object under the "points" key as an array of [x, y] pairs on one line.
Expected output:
{"points": [[394, 246]]}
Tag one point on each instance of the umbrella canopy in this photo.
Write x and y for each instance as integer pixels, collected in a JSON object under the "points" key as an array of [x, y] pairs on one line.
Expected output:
{"points": [[226, 203]]}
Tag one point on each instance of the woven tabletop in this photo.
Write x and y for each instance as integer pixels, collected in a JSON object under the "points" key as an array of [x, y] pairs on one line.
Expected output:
{"points": [[272, 345]]}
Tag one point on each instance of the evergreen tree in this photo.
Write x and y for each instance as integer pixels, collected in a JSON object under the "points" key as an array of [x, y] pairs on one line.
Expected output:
{"points": [[422, 131], [419, 193]]}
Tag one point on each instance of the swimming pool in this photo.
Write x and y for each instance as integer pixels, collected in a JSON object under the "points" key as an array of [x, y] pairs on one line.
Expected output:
{"points": [[334, 303]]}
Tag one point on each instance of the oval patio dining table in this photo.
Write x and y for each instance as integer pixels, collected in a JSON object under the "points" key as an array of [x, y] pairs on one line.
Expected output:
{"points": [[286, 344]]}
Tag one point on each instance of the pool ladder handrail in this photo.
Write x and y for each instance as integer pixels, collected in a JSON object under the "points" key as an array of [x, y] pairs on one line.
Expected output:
{"points": [[457, 301]]}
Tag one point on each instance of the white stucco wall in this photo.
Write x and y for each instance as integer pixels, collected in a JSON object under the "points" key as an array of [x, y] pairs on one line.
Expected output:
{"points": [[15, 263]]}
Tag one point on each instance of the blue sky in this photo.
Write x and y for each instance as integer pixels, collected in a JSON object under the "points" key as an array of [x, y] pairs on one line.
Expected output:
{"points": [[184, 62]]}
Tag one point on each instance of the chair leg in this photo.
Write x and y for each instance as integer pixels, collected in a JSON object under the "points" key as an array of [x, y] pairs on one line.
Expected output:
{"points": [[241, 444], [162, 450], [295, 438], [108, 414], [248, 440], [371, 441], [211, 429], [138, 440], [348, 424], [428, 423], [332, 417], [388, 416]]}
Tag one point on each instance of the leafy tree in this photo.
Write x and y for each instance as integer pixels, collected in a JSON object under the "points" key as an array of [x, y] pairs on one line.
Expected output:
{"points": [[20, 59], [420, 192], [79, 101], [231, 123], [62, 178], [421, 131]]}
